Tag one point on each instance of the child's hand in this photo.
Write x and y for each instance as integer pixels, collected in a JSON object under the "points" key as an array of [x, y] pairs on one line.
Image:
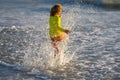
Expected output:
{"points": [[67, 31]]}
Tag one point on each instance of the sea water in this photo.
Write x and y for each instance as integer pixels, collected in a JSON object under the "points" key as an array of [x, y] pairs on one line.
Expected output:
{"points": [[91, 52]]}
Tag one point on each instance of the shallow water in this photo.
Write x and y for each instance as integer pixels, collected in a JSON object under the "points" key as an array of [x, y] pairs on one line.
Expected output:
{"points": [[92, 51]]}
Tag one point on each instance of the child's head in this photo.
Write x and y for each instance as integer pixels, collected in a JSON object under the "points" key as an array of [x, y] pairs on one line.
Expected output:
{"points": [[56, 10]]}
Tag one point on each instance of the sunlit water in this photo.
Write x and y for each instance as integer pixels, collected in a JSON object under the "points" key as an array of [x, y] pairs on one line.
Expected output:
{"points": [[91, 52]]}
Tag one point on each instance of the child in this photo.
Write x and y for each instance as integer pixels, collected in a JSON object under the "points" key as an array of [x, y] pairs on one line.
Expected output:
{"points": [[56, 32]]}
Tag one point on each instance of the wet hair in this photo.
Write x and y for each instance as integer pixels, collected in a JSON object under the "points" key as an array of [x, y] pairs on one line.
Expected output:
{"points": [[56, 10]]}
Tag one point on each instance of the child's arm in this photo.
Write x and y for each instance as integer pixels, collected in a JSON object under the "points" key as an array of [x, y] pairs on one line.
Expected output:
{"points": [[64, 30], [60, 28]]}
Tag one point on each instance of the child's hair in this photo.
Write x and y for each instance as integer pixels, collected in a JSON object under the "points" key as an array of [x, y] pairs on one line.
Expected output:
{"points": [[56, 10]]}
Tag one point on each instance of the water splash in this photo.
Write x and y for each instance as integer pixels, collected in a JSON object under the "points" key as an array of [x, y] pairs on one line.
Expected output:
{"points": [[42, 55], [40, 52]]}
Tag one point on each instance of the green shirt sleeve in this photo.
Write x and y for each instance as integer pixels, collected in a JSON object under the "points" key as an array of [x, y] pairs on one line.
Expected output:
{"points": [[59, 24]]}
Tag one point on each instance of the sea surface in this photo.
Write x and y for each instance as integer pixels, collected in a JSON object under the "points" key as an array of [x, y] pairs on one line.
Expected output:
{"points": [[91, 52]]}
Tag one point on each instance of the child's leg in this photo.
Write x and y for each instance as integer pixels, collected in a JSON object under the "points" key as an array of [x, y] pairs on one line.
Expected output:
{"points": [[55, 45], [56, 41]]}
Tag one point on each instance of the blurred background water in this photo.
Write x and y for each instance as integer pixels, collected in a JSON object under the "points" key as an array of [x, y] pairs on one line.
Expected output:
{"points": [[93, 49]]}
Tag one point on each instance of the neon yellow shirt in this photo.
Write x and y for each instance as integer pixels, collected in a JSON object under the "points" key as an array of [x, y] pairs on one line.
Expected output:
{"points": [[55, 26]]}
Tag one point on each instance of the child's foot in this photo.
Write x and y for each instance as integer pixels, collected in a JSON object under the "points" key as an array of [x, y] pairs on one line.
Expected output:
{"points": [[56, 53], [57, 57]]}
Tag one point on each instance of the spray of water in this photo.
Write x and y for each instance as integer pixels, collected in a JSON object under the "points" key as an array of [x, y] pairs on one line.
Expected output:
{"points": [[40, 52]]}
